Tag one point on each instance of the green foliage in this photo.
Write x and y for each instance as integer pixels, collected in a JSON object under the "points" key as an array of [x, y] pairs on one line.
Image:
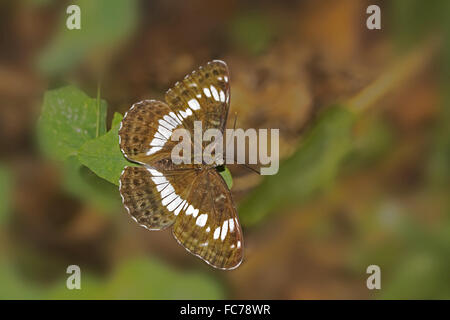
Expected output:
{"points": [[226, 175], [104, 25], [103, 155], [312, 167], [67, 131], [143, 278], [68, 119], [5, 193]]}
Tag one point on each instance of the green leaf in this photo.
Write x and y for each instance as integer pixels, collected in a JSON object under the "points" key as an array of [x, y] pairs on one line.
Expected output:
{"points": [[81, 182], [312, 167], [68, 120], [104, 25], [226, 175], [5, 193], [143, 278], [103, 155]]}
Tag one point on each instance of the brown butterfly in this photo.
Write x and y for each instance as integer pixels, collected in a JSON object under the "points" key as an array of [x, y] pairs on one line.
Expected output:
{"points": [[192, 198]]}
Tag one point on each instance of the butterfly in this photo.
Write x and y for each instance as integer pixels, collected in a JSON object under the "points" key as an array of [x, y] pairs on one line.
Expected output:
{"points": [[192, 199]]}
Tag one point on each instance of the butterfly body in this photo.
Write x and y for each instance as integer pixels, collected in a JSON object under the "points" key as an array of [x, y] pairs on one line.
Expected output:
{"points": [[192, 198]]}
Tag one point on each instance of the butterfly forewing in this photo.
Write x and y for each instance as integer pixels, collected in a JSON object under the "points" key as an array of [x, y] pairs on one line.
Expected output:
{"points": [[203, 95], [146, 130], [210, 228]]}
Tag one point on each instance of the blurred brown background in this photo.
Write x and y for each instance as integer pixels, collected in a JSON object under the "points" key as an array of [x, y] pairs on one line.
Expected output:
{"points": [[385, 202]]}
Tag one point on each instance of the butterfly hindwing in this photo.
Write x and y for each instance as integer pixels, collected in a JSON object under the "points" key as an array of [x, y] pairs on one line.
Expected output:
{"points": [[209, 227], [153, 197]]}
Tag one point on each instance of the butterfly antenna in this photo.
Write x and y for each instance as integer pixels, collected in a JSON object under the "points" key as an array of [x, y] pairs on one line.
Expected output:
{"points": [[248, 167], [232, 136], [251, 169]]}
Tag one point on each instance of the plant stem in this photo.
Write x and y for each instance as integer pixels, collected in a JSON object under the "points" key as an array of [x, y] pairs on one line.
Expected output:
{"points": [[97, 133]]}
